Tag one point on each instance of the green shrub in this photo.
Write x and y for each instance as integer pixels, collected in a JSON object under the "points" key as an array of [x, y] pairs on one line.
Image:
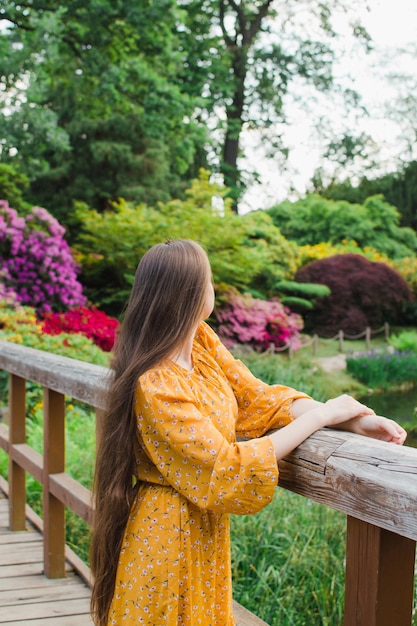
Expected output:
{"points": [[374, 223], [247, 252], [404, 341]]}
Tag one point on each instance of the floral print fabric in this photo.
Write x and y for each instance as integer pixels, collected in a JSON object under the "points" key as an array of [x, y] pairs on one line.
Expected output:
{"points": [[174, 566]]}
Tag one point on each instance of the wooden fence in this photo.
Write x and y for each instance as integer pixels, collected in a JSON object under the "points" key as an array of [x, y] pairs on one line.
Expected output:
{"points": [[372, 482], [340, 337]]}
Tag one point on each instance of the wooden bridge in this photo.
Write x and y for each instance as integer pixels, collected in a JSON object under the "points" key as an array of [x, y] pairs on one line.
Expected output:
{"points": [[373, 483], [27, 596]]}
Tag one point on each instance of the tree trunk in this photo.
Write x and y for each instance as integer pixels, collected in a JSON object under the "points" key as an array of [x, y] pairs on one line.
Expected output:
{"points": [[234, 116]]}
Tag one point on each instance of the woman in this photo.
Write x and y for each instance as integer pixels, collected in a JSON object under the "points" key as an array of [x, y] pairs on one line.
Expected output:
{"points": [[169, 470]]}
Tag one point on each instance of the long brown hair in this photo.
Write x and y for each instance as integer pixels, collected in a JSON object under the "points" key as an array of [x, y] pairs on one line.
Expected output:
{"points": [[165, 304]]}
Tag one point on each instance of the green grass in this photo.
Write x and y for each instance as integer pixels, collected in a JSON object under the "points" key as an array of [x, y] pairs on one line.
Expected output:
{"points": [[288, 562]]}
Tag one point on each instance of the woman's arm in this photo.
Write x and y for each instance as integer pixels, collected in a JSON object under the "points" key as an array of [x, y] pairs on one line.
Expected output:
{"points": [[343, 412]]}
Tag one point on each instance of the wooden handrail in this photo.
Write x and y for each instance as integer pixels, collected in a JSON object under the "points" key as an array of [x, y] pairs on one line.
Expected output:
{"points": [[372, 482]]}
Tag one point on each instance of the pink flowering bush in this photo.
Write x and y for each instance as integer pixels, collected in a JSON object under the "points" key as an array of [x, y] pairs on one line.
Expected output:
{"points": [[90, 322], [36, 261], [257, 323]]}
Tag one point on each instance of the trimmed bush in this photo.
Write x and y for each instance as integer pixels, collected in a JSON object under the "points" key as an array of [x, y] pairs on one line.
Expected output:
{"points": [[363, 293]]}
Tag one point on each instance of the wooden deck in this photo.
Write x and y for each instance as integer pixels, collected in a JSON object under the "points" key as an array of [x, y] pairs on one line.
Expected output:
{"points": [[27, 596]]}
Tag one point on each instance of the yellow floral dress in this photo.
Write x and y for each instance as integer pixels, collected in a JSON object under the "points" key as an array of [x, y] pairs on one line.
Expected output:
{"points": [[174, 566]]}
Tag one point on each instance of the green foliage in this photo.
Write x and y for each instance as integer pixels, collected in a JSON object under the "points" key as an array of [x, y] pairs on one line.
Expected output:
{"points": [[377, 369], [12, 186], [398, 188], [405, 341], [246, 252], [374, 223]]}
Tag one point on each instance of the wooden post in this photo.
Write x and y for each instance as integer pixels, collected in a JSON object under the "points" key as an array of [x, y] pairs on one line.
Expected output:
{"points": [[386, 331], [290, 350], [99, 426], [54, 462], [341, 335], [17, 434], [368, 338], [315, 344], [379, 576]]}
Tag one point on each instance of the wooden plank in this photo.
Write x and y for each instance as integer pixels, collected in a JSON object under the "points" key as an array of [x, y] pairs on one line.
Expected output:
{"points": [[22, 569], [77, 379], [365, 478], [59, 593], [45, 610], [379, 576], [245, 617], [17, 434], [36, 580], [21, 536], [54, 462], [72, 494], [32, 553], [72, 620], [30, 460]]}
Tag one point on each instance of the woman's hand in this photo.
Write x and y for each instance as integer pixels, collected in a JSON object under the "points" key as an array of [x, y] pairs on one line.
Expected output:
{"points": [[377, 427], [342, 409], [343, 412]]}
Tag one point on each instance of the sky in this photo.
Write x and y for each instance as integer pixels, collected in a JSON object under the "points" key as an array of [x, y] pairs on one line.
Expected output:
{"points": [[392, 26]]}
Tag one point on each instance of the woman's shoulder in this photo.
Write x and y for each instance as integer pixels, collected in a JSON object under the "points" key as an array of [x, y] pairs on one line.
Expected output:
{"points": [[206, 336], [160, 375]]}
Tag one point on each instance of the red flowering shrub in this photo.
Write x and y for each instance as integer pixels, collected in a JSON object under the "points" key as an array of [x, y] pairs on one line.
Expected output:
{"points": [[90, 322], [257, 323], [363, 293]]}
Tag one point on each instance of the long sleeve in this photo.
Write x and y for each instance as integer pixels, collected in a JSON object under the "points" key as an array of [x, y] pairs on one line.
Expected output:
{"points": [[190, 443], [261, 407]]}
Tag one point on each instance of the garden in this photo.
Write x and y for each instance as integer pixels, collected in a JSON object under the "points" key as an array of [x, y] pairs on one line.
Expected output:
{"points": [[282, 276]]}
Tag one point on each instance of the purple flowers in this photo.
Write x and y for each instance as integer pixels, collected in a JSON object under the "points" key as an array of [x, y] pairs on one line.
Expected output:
{"points": [[258, 323], [36, 261]]}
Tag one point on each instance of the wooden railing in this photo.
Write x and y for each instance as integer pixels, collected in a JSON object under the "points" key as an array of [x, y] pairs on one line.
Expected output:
{"points": [[372, 482]]}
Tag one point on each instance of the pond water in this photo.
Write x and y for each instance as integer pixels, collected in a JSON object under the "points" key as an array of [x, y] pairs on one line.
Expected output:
{"points": [[398, 405]]}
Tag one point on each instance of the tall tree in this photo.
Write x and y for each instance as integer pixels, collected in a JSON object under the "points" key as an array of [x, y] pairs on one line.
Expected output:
{"points": [[113, 98], [243, 56], [93, 111]]}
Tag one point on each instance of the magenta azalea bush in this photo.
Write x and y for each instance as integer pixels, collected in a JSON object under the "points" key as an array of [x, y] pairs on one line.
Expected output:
{"points": [[36, 261], [257, 323]]}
